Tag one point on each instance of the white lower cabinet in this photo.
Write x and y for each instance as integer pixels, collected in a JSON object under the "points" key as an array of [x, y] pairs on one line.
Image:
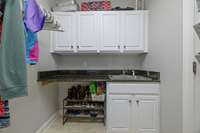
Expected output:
{"points": [[129, 112]]}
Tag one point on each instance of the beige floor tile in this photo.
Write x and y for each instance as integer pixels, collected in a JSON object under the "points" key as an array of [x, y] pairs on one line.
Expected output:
{"points": [[57, 127]]}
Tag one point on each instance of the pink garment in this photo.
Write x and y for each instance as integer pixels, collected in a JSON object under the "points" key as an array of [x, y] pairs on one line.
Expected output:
{"points": [[34, 54]]}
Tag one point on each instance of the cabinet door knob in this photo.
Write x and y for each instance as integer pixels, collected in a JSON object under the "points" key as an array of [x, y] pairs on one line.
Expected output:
{"points": [[72, 46], [137, 101], [77, 47], [118, 46], [124, 46], [130, 101]]}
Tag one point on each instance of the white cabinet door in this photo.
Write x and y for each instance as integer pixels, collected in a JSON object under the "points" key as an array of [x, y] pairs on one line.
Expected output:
{"points": [[87, 31], [147, 116], [64, 41], [119, 113], [109, 29], [133, 28]]}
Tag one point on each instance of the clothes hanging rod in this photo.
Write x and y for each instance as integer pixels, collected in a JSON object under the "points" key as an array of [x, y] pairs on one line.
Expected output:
{"points": [[51, 23]]}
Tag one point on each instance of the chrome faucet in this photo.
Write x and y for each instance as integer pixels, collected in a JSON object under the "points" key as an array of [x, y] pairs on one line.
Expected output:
{"points": [[124, 72], [128, 72]]}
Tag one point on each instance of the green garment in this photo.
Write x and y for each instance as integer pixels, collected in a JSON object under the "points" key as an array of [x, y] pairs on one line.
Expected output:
{"points": [[13, 76]]}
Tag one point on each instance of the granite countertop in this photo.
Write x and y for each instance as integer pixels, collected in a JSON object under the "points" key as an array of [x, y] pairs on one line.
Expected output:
{"points": [[95, 75]]}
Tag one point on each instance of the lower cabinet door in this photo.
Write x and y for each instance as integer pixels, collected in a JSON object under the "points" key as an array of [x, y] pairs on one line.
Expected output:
{"points": [[119, 113], [147, 114]]}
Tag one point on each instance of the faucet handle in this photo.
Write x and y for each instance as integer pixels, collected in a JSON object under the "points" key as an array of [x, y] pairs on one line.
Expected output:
{"points": [[133, 72], [123, 71]]}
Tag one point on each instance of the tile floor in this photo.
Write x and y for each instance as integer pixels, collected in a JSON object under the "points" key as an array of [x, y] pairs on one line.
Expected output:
{"points": [[57, 127]]}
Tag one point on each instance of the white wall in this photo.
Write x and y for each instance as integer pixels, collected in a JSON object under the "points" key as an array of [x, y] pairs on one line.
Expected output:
{"points": [[46, 4], [99, 62], [188, 58], [197, 101], [165, 56], [47, 61]]}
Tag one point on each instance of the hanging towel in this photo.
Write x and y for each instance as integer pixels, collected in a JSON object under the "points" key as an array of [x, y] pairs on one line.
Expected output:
{"points": [[13, 76], [34, 18], [2, 7], [4, 114]]}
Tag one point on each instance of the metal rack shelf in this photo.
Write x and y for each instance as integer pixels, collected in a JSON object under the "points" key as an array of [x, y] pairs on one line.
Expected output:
{"points": [[88, 101], [85, 118], [83, 107]]}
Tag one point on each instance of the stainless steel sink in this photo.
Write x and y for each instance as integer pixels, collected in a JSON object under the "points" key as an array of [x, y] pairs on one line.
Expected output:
{"points": [[128, 77]]}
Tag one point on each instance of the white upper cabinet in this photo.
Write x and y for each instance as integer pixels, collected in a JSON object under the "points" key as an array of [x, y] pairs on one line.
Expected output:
{"points": [[109, 29], [87, 33], [64, 41], [134, 33], [102, 31]]}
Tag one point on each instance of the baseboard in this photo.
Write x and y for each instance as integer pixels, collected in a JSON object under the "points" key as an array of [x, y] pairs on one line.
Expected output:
{"points": [[48, 123]]}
